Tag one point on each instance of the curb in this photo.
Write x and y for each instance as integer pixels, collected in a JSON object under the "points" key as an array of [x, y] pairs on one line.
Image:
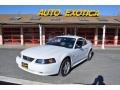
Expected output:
{"points": [[20, 81]]}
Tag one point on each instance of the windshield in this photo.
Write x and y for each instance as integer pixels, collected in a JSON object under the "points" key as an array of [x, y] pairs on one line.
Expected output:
{"points": [[62, 41]]}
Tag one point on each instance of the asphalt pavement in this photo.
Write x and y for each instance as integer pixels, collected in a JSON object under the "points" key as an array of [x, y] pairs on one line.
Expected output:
{"points": [[102, 69]]}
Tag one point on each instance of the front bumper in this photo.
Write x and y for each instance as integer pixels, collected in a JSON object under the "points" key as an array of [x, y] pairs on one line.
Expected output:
{"points": [[39, 69]]}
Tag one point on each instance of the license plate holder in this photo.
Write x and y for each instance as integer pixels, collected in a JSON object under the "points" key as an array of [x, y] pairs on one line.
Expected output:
{"points": [[25, 65]]}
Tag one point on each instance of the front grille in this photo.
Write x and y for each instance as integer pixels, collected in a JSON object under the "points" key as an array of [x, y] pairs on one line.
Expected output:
{"points": [[28, 58]]}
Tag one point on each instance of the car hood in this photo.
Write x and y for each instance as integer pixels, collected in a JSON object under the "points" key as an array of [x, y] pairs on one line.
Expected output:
{"points": [[45, 51]]}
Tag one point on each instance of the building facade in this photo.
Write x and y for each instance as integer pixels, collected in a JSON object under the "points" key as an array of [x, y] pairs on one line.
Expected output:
{"points": [[37, 30]]}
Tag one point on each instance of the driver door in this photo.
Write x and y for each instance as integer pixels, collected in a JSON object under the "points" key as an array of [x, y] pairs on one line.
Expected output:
{"points": [[79, 50]]}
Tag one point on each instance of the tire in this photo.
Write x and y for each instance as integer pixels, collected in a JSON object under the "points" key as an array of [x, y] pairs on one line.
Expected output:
{"points": [[90, 54], [65, 67]]}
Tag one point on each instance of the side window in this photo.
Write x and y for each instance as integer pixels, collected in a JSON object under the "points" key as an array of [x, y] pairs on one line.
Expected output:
{"points": [[80, 42]]}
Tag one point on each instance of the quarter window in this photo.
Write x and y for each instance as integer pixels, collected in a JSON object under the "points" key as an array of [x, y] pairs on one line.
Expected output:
{"points": [[84, 42]]}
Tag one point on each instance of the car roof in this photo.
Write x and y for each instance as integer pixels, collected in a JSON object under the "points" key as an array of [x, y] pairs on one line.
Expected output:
{"points": [[70, 36]]}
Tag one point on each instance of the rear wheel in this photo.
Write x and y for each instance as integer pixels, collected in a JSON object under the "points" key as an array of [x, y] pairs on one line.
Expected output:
{"points": [[90, 54], [65, 67]]}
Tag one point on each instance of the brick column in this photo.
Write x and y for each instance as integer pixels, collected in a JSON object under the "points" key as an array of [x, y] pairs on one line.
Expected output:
{"points": [[43, 36], [75, 31], [96, 37], [65, 30], [21, 35], [40, 33], [116, 37], [103, 37], [1, 39]]}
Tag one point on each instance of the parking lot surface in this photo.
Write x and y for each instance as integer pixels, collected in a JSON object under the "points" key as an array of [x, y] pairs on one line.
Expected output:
{"points": [[104, 68]]}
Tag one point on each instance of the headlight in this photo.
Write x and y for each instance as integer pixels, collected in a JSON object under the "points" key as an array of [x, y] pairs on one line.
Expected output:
{"points": [[45, 61]]}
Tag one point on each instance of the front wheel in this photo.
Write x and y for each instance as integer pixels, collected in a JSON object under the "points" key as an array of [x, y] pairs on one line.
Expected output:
{"points": [[65, 67]]}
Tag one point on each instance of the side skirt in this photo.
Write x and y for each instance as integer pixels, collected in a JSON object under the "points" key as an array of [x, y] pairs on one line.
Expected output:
{"points": [[79, 61]]}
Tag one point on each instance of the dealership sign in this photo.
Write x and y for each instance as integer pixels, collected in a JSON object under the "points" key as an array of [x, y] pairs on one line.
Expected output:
{"points": [[69, 12]]}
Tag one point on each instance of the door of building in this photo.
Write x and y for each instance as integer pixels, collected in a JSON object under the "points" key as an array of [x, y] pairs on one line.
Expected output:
{"points": [[70, 31], [11, 36], [88, 33], [119, 37], [52, 32], [109, 36], [31, 35]]}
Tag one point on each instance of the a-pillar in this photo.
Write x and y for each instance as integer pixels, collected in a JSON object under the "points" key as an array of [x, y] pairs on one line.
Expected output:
{"points": [[116, 37], [103, 37], [1, 39], [21, 35], [40, 33], [96, 37]]}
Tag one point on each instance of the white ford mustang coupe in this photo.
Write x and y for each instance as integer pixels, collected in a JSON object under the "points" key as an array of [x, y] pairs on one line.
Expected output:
{"points": [[58, 56]]}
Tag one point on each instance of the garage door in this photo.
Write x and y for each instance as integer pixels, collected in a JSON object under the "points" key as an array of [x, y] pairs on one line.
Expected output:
{"points": [[119, 37], [31, 35], [109, 36], [52, 32], [87, 33], [11, 35]]}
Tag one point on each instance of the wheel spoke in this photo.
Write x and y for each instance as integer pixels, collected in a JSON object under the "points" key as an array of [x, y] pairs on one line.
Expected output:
{"points": [[66, 68], [90, 55]]}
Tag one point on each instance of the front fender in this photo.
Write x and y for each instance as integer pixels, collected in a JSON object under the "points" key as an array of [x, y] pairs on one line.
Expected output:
{"points": [[63, 56]]}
